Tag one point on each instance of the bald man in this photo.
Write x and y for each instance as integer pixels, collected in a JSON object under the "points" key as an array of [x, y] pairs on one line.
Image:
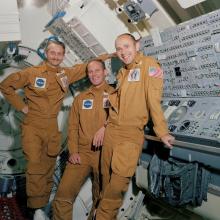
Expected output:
{"points": [[138, 95]]}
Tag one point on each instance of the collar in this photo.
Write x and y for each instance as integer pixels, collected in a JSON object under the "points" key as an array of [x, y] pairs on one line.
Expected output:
{"points": [[136, 61], [48, 68], [94, 89]]}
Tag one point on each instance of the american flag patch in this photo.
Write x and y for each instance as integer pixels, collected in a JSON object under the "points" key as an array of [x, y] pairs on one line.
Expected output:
{"points": [[155, 72]]}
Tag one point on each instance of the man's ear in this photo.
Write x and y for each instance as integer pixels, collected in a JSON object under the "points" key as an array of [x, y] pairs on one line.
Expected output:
{"points": [[45, 54], [105, 72], [137, 46]]}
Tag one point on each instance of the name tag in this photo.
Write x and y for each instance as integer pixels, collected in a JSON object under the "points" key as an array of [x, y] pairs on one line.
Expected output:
{"points": [[40, 82], [106, 103], [64, 81], [87, 104], [134, 75]]}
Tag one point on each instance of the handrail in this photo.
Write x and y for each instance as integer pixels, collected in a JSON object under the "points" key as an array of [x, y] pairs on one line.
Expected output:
{"points": [[189, 145]]}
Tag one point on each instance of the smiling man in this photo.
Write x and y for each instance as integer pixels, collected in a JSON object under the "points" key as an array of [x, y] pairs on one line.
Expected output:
{"points": [[45, 87], [137, 96], [87, 120]]}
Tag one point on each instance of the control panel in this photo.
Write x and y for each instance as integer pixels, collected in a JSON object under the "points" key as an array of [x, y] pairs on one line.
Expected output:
{"points": [[189, 55], [197, 117]]}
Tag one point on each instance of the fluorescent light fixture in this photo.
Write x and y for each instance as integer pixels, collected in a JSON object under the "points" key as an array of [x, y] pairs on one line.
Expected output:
{"points": [[188, 3]]}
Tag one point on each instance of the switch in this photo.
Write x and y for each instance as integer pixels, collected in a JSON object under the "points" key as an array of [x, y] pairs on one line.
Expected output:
{"points": [[191, 103], [172, 127], [176, 102]]}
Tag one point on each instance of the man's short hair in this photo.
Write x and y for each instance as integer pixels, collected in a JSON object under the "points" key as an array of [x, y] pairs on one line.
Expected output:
{"points": [[55, 40], [96, 60], [129, 35]]}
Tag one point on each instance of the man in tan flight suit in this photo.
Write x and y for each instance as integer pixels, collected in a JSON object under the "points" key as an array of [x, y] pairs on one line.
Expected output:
{"points": [[137, 96], [45, 87], [85, 137]]}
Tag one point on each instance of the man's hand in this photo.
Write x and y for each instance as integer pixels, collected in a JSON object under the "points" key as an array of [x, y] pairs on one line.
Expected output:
{"points": [[74, 158], [114, 54], [99, 137], [168, 140], [25, 109]]}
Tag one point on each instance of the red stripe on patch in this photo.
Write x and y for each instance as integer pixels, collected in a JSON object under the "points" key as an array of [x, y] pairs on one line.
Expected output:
{"points": [[156, 72]]}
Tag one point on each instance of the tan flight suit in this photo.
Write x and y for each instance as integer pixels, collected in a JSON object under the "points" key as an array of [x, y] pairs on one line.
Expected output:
{"points": [[88, 114], [137, 95], [44, 88]]}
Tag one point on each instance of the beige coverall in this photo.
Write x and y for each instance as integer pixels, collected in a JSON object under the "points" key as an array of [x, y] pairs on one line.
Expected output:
{"points": [[137, 95], [44, 88], [88, 114]]}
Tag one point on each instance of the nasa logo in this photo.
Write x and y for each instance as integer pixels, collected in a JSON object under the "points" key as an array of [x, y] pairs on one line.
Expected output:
{"points": [[40, 82], [87, 104]]}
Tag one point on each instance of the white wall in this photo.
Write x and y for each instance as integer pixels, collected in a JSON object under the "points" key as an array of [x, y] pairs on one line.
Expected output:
{"points": [[33, 19], [9, 21]]}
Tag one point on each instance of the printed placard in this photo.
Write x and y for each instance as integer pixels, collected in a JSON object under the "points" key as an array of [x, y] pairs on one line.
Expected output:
{"points": [[134, 75]]}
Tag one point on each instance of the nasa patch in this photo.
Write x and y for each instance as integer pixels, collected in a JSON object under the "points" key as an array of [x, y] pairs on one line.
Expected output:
{"points": [[40, 82], [87, 104]]}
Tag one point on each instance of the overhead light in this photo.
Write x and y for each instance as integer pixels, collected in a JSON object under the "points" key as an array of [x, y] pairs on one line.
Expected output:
{"points": [[188, 3]]}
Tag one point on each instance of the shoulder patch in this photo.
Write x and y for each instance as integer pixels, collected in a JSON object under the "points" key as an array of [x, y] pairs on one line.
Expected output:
{"points": [[156, 72]]}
